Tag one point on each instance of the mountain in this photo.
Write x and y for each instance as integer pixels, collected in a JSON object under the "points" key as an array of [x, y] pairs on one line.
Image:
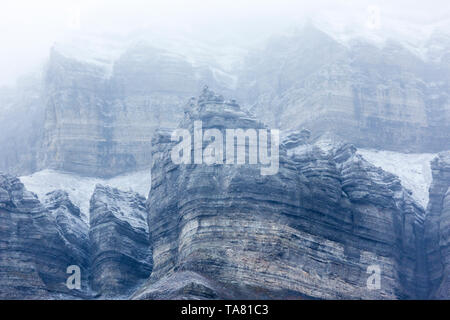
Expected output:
{"points": [[41, 240], [95, 108], [319, 228], [120, 248], [310, 231], [100, 120], [385, 97], [81, 188], [437, 237], [360, 190], [21, 122]]}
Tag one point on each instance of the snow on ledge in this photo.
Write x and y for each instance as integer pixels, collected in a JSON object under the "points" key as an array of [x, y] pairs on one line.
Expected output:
{"points": [[414, 170], [80, 189]]}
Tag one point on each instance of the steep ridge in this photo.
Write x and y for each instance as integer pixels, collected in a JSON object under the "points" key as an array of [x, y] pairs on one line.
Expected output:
{"points": [[21, 123], [96, 116], [100, 122], [121, 253], [38, 243], [81, 188], [310, 231], [382, 97], [437, 226], [414, 170]]}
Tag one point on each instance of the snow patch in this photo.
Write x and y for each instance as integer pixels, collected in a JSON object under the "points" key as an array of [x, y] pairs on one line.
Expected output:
{"points": [[80, 189], [414, 170]]}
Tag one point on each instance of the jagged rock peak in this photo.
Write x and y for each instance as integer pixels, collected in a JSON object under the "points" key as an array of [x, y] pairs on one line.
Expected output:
{"points": [[209, 96], [41, 244], [60, 198], [215, 111], [231, 221], [437, 228], [120, 249], [296, 138], [14, 196], [126, 206]]}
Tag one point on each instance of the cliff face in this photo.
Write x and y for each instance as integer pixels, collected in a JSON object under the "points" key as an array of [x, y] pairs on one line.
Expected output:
{"points": [[21, 125], [384, 97], [121, 254], [96, 117], [99, 122], [318, 228], [312, 230], [38, 243], [437, 226]]}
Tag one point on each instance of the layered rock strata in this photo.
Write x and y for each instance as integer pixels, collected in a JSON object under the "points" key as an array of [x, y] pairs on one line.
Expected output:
{"points": [[121, 255], [100, 122], [385, 96], [38, 243], [313, 230], [437, 229]]}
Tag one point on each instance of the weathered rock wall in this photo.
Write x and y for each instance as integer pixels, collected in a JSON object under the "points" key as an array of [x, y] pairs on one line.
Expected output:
{"points": [[309, 231]]}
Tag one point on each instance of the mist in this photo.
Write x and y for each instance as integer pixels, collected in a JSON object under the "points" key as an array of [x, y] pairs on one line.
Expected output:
{"points": [[28, 29]]}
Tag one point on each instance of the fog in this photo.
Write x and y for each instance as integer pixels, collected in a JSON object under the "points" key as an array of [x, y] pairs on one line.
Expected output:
{"points": [[28, 29]]}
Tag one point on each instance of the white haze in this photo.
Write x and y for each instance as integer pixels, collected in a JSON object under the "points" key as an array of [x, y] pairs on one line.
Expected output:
{"points": [[28, 29]]}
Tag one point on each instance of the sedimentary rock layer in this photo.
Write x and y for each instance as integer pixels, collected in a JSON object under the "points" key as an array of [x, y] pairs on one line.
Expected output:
{"points": [[384, 97], [313, 230], [37, 244], [101, 124], [121, 254], [437, 229]]}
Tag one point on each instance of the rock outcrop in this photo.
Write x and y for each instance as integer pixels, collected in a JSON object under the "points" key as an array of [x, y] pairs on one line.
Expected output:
{"points": [[96, 117], [384, 97], [437, 229], [100, 122], [313, 230], [121, 255], [72, 227], [317, 229], [21, 125], [38, 243]]}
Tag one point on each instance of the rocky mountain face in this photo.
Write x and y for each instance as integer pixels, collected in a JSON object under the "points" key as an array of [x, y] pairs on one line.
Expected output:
{"points": [[319, 228], [375, 96], [39, 241], [437, 226], [313, 230], [96, 117], [99, 122], [21, 125], [121, 253]]}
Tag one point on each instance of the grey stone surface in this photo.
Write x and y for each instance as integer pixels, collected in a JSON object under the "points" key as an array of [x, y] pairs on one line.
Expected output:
{"points": [[121, 255], [91, 119], [437, 227], [21, 125], [38, 243], [101, 125], [384, 97], [309, 231], [225, 231]]}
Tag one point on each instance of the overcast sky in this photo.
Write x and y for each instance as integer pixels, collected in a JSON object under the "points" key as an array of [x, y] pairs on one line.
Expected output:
{"points": [[29, 28]]}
